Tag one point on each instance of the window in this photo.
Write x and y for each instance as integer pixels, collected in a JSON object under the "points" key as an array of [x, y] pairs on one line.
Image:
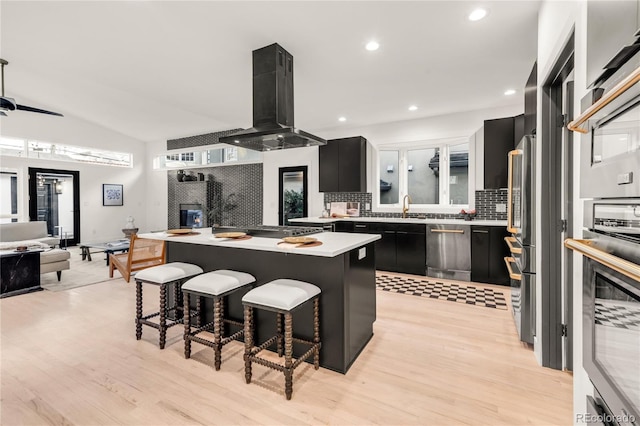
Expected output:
{"points": [[206, 156], [50, 151], [434, 175]]}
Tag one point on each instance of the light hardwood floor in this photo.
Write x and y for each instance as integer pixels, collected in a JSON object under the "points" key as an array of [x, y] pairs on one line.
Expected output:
{"points": [[71, 358]]}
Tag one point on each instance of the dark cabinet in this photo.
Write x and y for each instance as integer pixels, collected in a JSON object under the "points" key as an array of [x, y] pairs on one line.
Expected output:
{"points": [[498, 141], [402, 247], [488, 251], [411, 252], [531, 102], [343, 165]]}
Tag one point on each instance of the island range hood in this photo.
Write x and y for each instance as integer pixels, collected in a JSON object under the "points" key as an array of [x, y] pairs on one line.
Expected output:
{"points": [[272, 105]]}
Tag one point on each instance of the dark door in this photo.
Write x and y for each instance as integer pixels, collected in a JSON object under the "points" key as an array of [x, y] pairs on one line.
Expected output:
{"points": [[386, 251], [480, 256], [54, 197], [411, 252], [352, 164], [329, 155], [293, 194]]}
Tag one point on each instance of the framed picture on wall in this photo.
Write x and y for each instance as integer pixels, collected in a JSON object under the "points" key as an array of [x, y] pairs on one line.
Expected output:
{"points": [[112, 195]]}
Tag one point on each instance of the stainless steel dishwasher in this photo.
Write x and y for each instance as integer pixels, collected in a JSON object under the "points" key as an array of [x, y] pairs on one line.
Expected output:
{"points": [[449, 251]]}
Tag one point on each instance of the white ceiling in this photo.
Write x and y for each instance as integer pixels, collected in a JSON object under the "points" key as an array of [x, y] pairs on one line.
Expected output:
{"points": [[157, 70]]}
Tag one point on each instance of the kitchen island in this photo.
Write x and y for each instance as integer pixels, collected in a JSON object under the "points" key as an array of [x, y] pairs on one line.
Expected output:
{"points": [[343, 267]]}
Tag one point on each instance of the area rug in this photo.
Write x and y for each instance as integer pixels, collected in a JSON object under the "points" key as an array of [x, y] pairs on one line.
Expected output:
{"points": [[451, 292], [80, 273]]}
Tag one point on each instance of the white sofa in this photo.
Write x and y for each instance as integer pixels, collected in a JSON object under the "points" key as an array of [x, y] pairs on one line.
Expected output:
{"points": [[34, 234]]}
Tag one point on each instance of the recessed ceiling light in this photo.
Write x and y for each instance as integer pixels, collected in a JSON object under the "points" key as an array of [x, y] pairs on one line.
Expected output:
{"points": [[342, 119], [510, 92], [477, 14], [372, 45], [413, 108]]}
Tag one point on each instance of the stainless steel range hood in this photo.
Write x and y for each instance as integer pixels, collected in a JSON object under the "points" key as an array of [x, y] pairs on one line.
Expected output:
{"points": [[272, 105]]}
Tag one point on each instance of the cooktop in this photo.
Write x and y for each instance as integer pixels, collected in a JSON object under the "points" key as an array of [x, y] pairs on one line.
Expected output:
{"points": [[270, 231]]}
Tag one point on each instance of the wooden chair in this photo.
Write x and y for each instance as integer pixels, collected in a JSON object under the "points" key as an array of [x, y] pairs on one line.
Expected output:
{"points": [[143, 253]]}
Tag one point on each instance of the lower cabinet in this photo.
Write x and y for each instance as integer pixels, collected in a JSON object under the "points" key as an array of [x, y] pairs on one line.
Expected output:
{"points": [[488, 251], [402, 247]]}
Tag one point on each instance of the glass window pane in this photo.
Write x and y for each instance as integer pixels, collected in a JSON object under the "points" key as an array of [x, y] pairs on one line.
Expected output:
{"points": [[423, 171], [389, 177], [8, 197], [459, 174]]}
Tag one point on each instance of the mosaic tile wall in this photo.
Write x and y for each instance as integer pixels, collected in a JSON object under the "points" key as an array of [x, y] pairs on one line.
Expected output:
{"points": [[199, 140], [233, 185], [486, 201], [239, 185]]}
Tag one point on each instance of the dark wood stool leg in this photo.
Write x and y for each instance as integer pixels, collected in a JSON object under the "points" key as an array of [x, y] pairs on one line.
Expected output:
{"points": [[217, 325], [222, 318], [163, 315], [187, 326], [316, 332], [248, 342], [199, 310], [279, 339], [138, 310], [288, 354]]}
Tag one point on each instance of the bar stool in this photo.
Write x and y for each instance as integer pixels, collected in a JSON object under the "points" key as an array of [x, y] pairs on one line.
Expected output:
{"points": [[215, 285], [282, 296], [169, 274]]}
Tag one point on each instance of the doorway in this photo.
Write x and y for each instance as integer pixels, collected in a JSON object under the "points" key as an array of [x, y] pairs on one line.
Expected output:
{"points": [[54, 197], [292, 199], [557, 211]]}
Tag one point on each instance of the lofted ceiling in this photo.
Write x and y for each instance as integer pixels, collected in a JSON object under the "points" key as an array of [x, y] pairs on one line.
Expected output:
{"points": [[156, 70]]}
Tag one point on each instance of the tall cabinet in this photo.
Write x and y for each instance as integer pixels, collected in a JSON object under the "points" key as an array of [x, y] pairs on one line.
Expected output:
{"points": [[343, 165]]}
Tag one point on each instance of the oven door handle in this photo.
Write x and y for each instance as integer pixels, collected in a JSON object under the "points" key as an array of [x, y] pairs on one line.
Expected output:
{"points": [[616, 91], [586, 248], [510, 227], [514, 276]]}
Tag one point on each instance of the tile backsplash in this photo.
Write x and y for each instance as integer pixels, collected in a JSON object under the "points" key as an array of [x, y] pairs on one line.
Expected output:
{"points": [[486, 201]]}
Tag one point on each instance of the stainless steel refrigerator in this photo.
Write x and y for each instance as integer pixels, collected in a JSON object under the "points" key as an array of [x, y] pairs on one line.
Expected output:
{"points": [[522, 243]]}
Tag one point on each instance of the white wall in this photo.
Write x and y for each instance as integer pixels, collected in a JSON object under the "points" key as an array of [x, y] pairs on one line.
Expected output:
{"points": [[157, 189], [555, 23], [97, 222], [270, 174]]}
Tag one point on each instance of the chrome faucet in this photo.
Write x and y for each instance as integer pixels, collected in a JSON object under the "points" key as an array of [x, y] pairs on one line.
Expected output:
{"points": [[405, 209]]}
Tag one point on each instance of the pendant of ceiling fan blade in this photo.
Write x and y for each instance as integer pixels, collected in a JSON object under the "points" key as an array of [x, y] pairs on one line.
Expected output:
{"points": [[7, 103], [41, 111]]}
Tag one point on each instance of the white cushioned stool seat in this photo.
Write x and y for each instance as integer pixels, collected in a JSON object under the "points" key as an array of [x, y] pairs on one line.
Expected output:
{"points": [[284, 294], [168, 272], [218, 282]]}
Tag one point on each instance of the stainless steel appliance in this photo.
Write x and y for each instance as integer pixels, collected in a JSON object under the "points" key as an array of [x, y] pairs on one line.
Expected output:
{"points": [[272, 105], [611, 306], [610, 173], [449, 252], [521, 224], [266, 231]]}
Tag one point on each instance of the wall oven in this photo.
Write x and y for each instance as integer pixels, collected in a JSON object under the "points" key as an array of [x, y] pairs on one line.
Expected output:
{"points": [[521, 224], [611, 306]]}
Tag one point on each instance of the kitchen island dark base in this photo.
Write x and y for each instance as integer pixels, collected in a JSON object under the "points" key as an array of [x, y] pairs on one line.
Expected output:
{"points": [[347, 302]]}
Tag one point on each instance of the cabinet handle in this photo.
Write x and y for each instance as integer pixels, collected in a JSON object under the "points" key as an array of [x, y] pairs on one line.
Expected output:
{"points": [[623, 266], [480, 232], [512, 249], [448, 231], [401, 232], [508, 261], [389, 232], [360, 226], [510, 227]]}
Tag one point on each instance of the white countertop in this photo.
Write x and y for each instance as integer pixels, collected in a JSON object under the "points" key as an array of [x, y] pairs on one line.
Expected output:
{"points": [[333, 243], [500, 223]]}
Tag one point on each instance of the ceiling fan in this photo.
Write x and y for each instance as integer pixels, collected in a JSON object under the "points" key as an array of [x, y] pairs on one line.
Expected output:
{"points": [[9, 104]]}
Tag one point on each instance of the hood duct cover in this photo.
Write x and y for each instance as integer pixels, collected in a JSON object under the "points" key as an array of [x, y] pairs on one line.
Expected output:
{"points": [[272, 105]]}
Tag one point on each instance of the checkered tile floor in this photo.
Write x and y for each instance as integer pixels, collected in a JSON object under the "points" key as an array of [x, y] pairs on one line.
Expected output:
{"points": [[613, 314], [438, 290]]}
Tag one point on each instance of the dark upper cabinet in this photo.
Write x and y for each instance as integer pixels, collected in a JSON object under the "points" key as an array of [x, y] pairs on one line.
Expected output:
{"points": [[343, 165], [518, 129], [531, 102], [498, 141]]}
